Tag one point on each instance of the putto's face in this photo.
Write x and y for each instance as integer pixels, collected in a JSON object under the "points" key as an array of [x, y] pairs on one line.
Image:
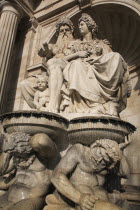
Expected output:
{"points": [[65, 30], [83, 28], [41, 84]]}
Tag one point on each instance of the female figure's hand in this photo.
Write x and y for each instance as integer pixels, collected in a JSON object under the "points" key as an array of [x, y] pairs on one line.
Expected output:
{"points": [[83, 54]]}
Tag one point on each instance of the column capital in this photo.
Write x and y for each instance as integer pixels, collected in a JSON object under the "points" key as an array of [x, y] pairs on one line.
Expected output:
{"points": [[6, 5]]}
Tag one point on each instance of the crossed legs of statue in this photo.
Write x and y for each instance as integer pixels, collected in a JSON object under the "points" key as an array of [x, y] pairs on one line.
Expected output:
{"points": [[55, 66]]}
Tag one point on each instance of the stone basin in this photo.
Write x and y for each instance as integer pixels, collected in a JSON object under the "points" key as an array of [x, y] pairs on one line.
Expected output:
{"points": [[87, 130], [33, 122]]}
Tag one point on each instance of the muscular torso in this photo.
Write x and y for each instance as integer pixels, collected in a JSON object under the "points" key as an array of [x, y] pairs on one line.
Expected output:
{"points": [[82, 177], [31, 182], [85, 174]]}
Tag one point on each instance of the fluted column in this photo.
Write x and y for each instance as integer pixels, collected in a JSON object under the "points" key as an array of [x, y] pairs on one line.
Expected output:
{"points": [[10, 16]]}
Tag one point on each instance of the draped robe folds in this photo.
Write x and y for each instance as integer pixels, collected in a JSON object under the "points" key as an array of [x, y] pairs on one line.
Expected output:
{"points": [[88, 88], [98, 83]]}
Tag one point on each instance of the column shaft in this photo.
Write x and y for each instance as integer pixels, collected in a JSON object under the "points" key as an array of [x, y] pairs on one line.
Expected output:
{"points": [[8, 29]]}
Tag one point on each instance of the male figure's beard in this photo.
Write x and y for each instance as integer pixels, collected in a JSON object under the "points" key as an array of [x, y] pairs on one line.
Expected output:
{"points": [[64, 39]]}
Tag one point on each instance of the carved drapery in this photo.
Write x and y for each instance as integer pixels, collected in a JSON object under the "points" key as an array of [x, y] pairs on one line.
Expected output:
{"points": [[10, 16]]}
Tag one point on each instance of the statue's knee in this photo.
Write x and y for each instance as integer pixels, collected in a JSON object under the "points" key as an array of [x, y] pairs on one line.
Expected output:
{"points": [[101, 193], [52, 64], [51, 61], [76, 62], [29, 204], [117, 55]]}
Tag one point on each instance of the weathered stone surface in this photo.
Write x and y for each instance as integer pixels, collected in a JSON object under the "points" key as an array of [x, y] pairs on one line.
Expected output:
{"points": [[24, 157], [10, 16], [119, 23]]}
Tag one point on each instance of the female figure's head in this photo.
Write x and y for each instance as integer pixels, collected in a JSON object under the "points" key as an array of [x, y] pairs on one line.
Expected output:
{"points": [[87, 24]]}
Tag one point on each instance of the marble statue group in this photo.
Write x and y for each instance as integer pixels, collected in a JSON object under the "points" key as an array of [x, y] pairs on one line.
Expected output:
{"points": [[84, 76]]}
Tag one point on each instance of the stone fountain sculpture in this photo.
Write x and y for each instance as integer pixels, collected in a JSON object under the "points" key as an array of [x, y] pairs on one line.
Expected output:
{"points": [[31, 161], [88, 84]]}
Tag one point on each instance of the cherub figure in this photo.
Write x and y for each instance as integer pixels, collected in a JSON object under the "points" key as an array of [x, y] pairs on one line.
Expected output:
{"points": [[41, 97]]}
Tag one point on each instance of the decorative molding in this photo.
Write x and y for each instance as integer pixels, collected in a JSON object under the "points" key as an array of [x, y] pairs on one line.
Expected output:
{"points": [[34, 24], [37, 69], [138, 1], [132, 4], [84, 4]]}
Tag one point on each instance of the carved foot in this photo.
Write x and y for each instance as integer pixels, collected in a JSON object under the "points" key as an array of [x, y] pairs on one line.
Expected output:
{"points": [[51, 110]]}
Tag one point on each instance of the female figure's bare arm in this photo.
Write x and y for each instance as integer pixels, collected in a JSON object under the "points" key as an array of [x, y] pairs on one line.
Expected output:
{"points": [[79, 54]]}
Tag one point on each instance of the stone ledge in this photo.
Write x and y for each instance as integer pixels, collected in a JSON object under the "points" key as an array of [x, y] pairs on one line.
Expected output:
{"points": [[37, 69]]}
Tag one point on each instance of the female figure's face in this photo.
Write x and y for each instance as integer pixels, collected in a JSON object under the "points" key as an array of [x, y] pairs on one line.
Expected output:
{"points": [[83, 28]]}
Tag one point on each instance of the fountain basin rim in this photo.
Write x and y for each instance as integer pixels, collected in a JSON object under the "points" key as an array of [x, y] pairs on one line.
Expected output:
{"points": [[38, 114], [50, 115], [102, 119], [54, 125]]}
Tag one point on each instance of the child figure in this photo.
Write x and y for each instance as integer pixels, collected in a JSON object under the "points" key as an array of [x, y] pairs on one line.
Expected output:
{"points": [[41, 98]]}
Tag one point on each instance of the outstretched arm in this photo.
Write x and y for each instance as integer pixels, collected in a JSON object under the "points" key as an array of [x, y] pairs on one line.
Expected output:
{"points": [[6, 163], [43, 145], [5, 183], [66, 166], [124, 167], [124, 171], [59, 177]]}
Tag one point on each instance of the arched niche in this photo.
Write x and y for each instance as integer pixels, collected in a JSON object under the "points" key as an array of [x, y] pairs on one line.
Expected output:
{"points": [[119, 23]]}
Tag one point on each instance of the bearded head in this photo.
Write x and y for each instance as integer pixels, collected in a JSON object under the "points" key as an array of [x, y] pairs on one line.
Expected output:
{"points": [[108, 151], [17, 143], [65, 30]]}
